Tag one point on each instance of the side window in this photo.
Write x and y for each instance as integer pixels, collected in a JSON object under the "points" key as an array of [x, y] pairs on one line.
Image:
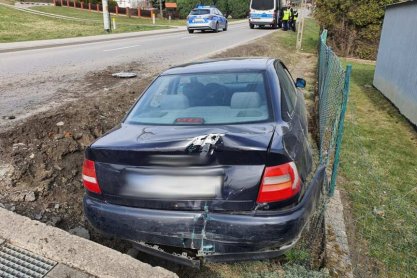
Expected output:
{"points": [[288, 92], [219, 13], [293, 92]]}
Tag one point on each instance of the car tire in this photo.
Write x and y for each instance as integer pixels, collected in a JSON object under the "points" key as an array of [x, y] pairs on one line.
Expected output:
{"points": [[225, 27], [190, 31], [216, 30], [275, 25], [252, 26]]}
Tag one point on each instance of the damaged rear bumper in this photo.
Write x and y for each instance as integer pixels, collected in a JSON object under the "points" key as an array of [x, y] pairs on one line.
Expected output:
{"points": [[215, 236]]}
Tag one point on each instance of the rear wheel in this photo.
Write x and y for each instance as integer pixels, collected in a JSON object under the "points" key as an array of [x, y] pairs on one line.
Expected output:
{"points": [[251, 25], [190, 31], [217, 28], [225, 27]]}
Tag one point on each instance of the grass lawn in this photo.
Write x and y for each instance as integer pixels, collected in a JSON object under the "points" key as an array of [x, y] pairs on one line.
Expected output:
{"points": [[310, 38], [379, 177], [121, 19], [20, 26]]}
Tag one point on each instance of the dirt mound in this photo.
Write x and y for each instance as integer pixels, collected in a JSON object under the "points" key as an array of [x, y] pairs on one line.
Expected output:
{"points": [[42, 158]]}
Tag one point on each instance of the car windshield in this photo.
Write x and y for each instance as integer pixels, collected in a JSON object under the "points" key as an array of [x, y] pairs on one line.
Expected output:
{"points": [[262, 4], [204, 98], [200, 11]]}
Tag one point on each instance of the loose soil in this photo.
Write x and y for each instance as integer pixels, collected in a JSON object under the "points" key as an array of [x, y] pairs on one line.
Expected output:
{"points": [[41, 158]]}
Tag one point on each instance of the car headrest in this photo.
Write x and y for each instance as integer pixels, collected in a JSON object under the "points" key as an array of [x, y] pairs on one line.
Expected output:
{"points": [[174, 102], [243, 100], [193, 87]]}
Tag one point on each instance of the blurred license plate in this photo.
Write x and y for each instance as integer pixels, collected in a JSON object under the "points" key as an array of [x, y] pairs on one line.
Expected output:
{"points": [[198, 20], [172, 187]]}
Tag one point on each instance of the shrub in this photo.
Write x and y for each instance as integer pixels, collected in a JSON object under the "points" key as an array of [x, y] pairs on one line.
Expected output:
{"points": [[354, 25], [235, 8]]}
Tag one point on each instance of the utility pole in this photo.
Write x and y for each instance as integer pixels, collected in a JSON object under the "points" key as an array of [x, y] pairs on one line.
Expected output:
{"points": [[106, 15], [300, 29]]}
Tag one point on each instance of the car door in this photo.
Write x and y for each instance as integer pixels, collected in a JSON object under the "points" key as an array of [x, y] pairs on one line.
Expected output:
{"points": [[221, 18], [294, 114]]}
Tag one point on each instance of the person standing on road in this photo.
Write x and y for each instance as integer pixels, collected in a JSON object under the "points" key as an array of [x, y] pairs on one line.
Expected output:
{"points": [[285, 19], [291, 17], [281, 13], [294, 18]]}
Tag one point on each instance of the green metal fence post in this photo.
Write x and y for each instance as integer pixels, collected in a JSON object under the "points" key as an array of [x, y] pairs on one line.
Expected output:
{"points": [[324, 36], [340, 130]]}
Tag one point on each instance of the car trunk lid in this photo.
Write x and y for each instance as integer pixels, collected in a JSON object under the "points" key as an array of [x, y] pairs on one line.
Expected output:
{"points": [[182, 167]]}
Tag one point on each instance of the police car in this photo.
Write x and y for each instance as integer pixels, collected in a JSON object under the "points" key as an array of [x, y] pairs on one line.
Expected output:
{"points": [[206, 18]]}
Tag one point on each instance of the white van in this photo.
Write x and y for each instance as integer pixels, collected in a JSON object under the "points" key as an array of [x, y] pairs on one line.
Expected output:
{"points": [[265, 13]]}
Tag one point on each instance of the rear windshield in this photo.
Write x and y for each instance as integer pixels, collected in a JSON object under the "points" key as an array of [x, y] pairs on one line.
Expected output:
{"points": [[200, 12], [215, 98], [262, 4]]}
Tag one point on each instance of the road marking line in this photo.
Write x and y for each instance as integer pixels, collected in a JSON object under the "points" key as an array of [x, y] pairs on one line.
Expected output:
{"points": [[188, 37], [114, 49]]}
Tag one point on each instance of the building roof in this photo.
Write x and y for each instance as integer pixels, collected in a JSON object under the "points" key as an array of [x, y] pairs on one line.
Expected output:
{"points": [[170, 5]]}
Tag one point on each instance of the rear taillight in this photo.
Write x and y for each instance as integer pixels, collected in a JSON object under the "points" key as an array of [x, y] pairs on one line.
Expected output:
{"points": [[89, 177], [279, 183]]}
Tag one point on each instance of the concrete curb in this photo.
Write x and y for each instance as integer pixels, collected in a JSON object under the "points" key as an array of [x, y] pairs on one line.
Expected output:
{"points": [[70, 250], [337, 247]]}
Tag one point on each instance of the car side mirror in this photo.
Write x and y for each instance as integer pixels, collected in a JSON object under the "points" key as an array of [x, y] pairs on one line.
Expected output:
{"points": [[300, 83]]}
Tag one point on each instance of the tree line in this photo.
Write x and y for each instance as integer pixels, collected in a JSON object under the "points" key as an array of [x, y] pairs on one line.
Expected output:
{"points": [[233, 8]]}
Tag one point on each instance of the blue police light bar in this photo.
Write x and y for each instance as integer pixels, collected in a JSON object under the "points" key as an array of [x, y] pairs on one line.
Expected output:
{"points": [[201, 6]]}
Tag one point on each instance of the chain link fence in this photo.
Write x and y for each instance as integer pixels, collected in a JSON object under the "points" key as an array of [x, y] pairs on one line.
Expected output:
{"points": [[331, 103], [333, 90], [381, 218]]}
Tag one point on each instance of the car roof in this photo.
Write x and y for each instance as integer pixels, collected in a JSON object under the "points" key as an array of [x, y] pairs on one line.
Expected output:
{"points": [[216, 65], [204, 7]]}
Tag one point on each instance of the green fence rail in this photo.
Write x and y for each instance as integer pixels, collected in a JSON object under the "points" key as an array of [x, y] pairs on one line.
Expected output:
{"points": [[333, 91]]}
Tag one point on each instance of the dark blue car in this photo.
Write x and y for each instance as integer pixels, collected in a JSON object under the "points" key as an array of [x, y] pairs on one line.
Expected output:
{"points": [[212, 160]]}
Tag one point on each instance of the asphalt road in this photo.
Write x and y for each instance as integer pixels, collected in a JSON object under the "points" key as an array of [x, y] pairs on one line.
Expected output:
{"points": [[33, 80]]}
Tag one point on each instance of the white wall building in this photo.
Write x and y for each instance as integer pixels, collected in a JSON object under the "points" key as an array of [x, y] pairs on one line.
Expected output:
{"points": [[396, 66]]}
